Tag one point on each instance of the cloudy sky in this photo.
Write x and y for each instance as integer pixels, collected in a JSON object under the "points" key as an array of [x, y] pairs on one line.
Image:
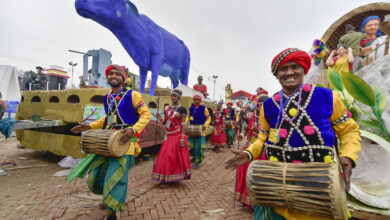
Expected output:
{"points": [[235, 39]]}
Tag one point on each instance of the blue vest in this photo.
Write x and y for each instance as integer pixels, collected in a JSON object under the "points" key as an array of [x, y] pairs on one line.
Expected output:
{"points": [[126, 110], [319, 108], [198, 115]]}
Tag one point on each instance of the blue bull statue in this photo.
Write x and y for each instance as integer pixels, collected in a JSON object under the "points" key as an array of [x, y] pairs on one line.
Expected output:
{"points": [[149, 45]]}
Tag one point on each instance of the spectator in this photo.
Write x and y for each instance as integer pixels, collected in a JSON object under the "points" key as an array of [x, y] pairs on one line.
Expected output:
{"points": [[200, 87]]}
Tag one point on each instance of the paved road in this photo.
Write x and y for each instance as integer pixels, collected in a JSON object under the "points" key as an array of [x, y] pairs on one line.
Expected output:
{"points": [[40, 195]]}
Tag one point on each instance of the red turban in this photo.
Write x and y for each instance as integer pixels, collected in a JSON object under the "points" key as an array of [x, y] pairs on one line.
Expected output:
{"points": [[197, 97], [120, 69], [291, 54], [229, 103]]}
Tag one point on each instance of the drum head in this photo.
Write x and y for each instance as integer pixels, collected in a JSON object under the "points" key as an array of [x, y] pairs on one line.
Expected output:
{"points": [[114, 145]]}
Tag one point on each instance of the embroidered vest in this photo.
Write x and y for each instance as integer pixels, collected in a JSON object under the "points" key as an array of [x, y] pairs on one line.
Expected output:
{"points": [[307, 138], [126, 114], [197, 114]]}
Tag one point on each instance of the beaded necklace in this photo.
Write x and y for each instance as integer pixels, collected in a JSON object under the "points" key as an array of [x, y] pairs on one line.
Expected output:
{"points": [[282, 103], [284, 115]]}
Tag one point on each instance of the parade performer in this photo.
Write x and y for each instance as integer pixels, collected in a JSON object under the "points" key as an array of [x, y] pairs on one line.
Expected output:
{"points": [[250, 133], [125, 110], [200, 87], [230, 115], [173, 161], [370, 26], [300, 124], [199, 115], [218, 137]]}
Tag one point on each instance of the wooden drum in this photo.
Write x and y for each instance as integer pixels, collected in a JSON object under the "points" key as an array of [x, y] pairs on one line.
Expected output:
{"points": [[228, 124], [194, 130], [104, 142], [312, 188]]}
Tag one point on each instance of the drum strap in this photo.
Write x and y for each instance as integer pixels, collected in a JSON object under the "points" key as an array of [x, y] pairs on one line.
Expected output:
{"points": [[284, 171]]}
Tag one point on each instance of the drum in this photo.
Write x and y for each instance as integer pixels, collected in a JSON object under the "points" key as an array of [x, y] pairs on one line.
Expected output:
{"points": [[312, 188], [228, 124], [194, 130], [103, 142]]}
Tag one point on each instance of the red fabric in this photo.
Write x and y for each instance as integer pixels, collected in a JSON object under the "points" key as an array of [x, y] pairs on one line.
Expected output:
{"points": [[197, 96], [201, 88], [300, 57], [218, 139], [241, 192], [366, 41], [173, 161]]}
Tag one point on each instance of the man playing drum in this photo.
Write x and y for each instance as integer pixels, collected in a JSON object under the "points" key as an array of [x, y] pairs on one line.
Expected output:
{"points": [[300, 124], [199, 115], [125, 110], [230, 116]]}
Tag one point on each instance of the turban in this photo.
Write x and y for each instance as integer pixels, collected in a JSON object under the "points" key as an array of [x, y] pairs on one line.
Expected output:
{"points": [[291, 54], [197, 97], [369, 18], [262, 98], [176, 92], [229, 103], [120, 69]]}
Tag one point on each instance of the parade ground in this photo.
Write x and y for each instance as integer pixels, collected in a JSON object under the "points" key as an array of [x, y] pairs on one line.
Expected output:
{"points": [[31, 191]]}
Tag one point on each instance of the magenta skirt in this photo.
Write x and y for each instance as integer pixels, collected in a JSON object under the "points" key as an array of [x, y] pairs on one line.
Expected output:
{"points": [[173, 162]]}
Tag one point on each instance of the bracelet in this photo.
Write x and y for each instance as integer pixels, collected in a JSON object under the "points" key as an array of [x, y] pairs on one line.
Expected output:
{"points": [[249, 155], [134, 131]]}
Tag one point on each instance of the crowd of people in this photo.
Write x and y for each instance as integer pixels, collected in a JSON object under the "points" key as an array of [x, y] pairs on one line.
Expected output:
{"points": [[300, 123]]}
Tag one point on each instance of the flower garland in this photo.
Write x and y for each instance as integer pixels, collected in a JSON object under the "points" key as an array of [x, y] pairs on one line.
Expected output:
{"points": [[319, 52]]}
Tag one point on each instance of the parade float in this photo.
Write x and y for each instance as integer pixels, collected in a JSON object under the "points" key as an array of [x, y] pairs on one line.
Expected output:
{"points": [[366, 95], [46, 117]]}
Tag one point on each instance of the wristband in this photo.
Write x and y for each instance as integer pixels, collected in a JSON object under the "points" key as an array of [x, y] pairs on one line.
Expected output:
{"points": [[249, 155], [134, 131]]}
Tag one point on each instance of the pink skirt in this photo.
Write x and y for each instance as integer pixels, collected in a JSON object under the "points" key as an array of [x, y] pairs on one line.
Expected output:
{"points": [[241, 194], [173, 162], [218, 139]]}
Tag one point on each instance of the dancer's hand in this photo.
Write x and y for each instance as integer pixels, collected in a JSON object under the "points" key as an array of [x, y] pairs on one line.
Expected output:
{"points": [[158, 116], [346, 164], [239, 159], [80, 128], [182, 143], [127, 134], [203, 127]]}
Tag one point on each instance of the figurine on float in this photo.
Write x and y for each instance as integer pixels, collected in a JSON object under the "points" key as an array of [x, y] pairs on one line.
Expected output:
{"points": [[149, 45], [352, 40], [343, 62], [370, 26]]}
